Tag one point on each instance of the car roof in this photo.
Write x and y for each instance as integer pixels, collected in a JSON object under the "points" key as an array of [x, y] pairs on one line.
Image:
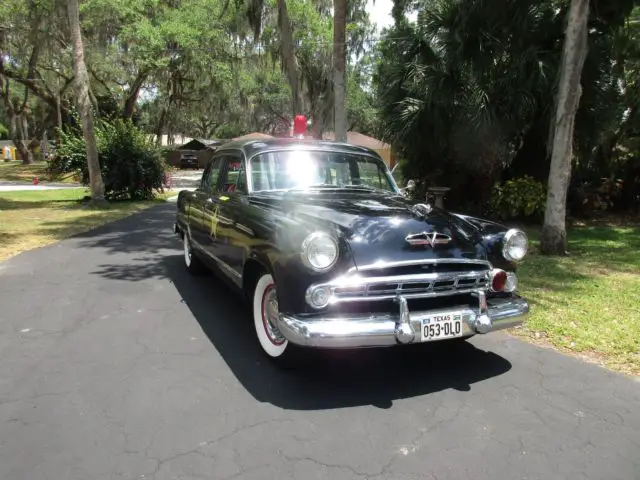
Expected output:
{"points": [[252, 147]]}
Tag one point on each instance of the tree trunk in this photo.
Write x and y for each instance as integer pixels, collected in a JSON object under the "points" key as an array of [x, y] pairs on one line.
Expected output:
{"points": [[134, 93], [289, 56], [84, 104], [22, 145], [339, 64], [58, 121], [23, 151], [160, 126], [554, 236]]}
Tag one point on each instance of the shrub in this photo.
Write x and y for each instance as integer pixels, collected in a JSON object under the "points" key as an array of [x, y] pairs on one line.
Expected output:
{"points": [[131, 166], [520, 198]]}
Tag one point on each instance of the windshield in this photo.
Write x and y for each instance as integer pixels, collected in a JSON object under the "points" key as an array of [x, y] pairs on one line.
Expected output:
{"points": [[303, 169]]}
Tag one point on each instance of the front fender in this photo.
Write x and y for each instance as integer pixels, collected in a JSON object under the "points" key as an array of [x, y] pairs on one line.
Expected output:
{"points": [[492, 240], [293, 277]]}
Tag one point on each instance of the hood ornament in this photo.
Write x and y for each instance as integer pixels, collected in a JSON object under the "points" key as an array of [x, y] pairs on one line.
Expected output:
{"points": [[421, 209], [425, 238]]}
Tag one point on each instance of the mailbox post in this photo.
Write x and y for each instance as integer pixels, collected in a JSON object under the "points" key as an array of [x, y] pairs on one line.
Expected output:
{"points": [[438, 193]]}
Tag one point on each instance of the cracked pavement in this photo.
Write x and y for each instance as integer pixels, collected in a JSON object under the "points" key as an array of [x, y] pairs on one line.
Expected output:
{"points": [[116, 364]]}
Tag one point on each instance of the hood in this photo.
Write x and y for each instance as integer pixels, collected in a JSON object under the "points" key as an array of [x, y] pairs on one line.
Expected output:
{"points": [[375, 225]]}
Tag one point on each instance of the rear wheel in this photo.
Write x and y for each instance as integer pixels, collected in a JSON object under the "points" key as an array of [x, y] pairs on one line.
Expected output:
{"points": [[191, 261], [265, 319]]}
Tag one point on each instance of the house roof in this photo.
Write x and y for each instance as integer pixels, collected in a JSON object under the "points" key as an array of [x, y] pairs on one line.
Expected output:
{"points": [[252, 136], [360, 139], [200, 144]]}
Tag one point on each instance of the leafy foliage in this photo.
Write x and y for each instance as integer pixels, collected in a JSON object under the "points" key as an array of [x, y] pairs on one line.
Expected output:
{"points": [[466, 92], [132, 168], [520, 198]]}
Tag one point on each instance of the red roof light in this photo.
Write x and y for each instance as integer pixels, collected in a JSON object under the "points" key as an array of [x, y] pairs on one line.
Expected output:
{"points": [[299, 126]]}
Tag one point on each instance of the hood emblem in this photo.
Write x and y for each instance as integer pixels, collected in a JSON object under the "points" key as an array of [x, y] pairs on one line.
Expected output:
{"points": [[424, 238]]}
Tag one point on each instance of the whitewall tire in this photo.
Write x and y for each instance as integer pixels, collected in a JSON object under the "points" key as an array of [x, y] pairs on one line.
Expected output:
{"points": [[265, 314], [191, 261]]}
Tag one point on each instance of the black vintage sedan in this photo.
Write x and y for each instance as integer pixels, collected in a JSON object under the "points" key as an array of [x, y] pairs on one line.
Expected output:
{"points": [[331, 253]]}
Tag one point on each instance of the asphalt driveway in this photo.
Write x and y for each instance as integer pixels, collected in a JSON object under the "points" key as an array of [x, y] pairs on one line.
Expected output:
{"points": [[116, 364]]}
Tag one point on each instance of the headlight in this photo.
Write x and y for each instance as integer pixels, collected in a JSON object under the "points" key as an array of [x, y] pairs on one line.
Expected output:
{"points": [[511, 284], [319, 251], [515, 245]]}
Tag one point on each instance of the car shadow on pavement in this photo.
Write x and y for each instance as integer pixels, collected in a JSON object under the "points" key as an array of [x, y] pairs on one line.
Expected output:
{"points": [[326, 379]]}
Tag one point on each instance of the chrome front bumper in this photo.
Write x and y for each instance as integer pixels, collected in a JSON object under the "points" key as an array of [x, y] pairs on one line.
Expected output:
{"points": [[401, 328]]}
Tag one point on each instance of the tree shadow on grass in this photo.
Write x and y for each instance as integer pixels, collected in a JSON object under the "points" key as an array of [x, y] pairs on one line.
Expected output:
{"points": [[593, 250], [8, 204], [613, 248]]}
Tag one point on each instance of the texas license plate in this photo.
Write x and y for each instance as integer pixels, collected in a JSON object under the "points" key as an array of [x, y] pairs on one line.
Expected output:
{"points": [[441, 326]]}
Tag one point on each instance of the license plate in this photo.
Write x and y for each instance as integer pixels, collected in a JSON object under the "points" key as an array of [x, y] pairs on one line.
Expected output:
{"points": [[441, 326]]}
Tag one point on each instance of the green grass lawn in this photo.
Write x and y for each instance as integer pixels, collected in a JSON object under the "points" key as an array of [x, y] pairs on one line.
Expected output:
{"points": [[589, 302], [35, 218], [15, 171]]}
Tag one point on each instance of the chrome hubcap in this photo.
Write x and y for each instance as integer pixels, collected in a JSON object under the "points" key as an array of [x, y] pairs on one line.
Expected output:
{"points": [[270, 315]]}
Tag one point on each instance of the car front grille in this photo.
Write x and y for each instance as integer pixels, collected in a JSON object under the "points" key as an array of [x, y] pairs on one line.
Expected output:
{"points": [[411, 280]]}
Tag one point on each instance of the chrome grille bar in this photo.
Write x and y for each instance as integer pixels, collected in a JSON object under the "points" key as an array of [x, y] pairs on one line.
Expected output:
{"points": [[354, 288], [423, 261]]}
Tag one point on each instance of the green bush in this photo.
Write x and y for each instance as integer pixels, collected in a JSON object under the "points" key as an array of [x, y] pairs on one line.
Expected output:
{"points": [[520, 198], [132, 167]]}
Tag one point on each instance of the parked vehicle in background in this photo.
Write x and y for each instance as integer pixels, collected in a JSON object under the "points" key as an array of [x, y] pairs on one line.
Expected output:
{"points": [[330, 252], [189, 160]]}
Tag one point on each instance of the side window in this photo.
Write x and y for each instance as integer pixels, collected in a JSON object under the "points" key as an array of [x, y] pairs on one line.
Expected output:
{"points": [[234, 179], [205, 175], [241, 184], [212, 175]]}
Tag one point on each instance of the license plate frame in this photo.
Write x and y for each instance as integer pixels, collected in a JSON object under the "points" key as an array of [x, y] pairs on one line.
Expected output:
{"points": [[441, 326]]}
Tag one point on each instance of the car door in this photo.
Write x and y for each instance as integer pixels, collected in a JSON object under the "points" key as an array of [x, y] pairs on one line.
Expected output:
{"points": [[200, 213], [216, 223], [234, 234]]}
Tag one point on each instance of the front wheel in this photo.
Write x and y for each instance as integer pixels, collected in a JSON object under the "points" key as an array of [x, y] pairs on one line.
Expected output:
{"points": [[191, 261], [265, 319]]}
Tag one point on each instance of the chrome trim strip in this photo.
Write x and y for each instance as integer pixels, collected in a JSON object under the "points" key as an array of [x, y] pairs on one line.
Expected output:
{"points": [[385, 330], [410, 296], [425, 261], [246, 230]]}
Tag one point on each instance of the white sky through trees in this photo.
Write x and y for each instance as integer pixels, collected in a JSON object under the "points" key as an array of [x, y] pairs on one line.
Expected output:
{"points": [[380, 13]]}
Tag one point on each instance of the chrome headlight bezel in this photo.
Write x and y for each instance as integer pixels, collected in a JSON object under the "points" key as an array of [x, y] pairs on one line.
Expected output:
{"points": [[507, 243], [309, 242]]}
